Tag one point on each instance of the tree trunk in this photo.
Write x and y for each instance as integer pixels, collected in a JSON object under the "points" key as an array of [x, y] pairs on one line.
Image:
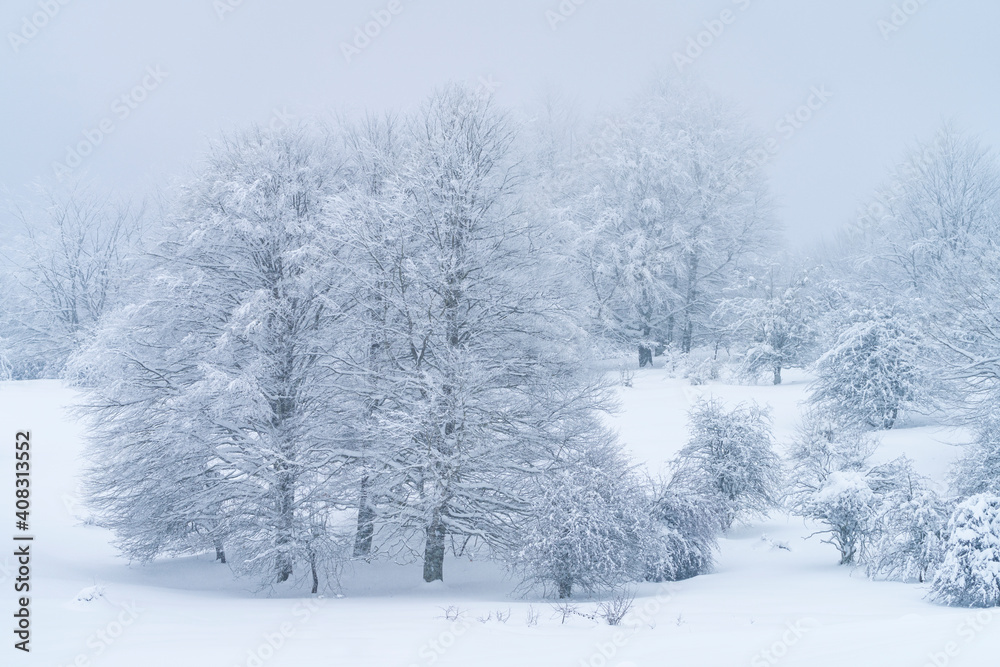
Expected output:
{"points": [[645, 356], [565, 589], [777, 374], [366, 523], [315, 575], [434, 551], [220, 552], [286, 501], [688, 335]]}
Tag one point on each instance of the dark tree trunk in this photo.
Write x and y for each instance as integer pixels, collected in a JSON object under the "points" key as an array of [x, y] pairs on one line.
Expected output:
{"points": [[688, 336], [434, 551], [220, 552], [366, 523], [777, 374], [565, 589], [645, 356], [315, 575]]}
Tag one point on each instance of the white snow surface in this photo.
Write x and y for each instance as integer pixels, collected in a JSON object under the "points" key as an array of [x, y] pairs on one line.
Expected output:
{"points": [[763, 605]]}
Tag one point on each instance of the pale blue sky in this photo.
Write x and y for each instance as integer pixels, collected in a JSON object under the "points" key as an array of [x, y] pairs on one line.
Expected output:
{"points": [[887, 90]]}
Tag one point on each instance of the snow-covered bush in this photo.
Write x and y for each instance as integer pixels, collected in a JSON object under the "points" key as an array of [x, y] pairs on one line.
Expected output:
{"points": [[688, 529], [589, 525], [822, 448], [884, 515], [978, 470], [730, 456], [827, 467], [910, 544], [847, 507], [873, 372], [969, 575]]}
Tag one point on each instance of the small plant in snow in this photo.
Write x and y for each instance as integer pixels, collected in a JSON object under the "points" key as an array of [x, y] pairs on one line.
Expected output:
{"points": [[531, 617], [453, 613], [615, 609]]}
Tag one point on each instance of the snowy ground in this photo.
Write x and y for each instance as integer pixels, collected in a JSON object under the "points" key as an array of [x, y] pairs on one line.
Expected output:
{"points": [[764, 605]]}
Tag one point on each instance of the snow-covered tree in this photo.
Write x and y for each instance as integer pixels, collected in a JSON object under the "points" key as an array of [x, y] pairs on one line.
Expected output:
{"points": [[77, 260], [671, 210], [874, 372], [848, 508], [969, 574], [774, 322], [214, 397], [589, 526], [910, 544], [474, 375], [827, 465], [730, 456]]}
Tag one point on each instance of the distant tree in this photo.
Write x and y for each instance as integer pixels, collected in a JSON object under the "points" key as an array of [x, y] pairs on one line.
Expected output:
{"points": [[774, 321], [79, 257], [969, 575], [730, 455], [874, 372], [672, 209]]}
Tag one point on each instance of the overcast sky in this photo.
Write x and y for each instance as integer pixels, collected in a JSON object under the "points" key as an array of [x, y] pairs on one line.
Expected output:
{"points": [[892, 72]]}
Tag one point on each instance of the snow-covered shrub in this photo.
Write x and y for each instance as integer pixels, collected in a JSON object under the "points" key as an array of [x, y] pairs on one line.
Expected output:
{"points": [[884, 515], [828, 484], [910, 545], [731, 457], [873, 373], [846, 505], [588, 527], [969, 575], [688, 528], [822, 448], [978, 470]]}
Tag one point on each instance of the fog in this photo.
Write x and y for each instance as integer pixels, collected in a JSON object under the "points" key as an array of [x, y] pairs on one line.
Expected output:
{"points": [[891, 72]]}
